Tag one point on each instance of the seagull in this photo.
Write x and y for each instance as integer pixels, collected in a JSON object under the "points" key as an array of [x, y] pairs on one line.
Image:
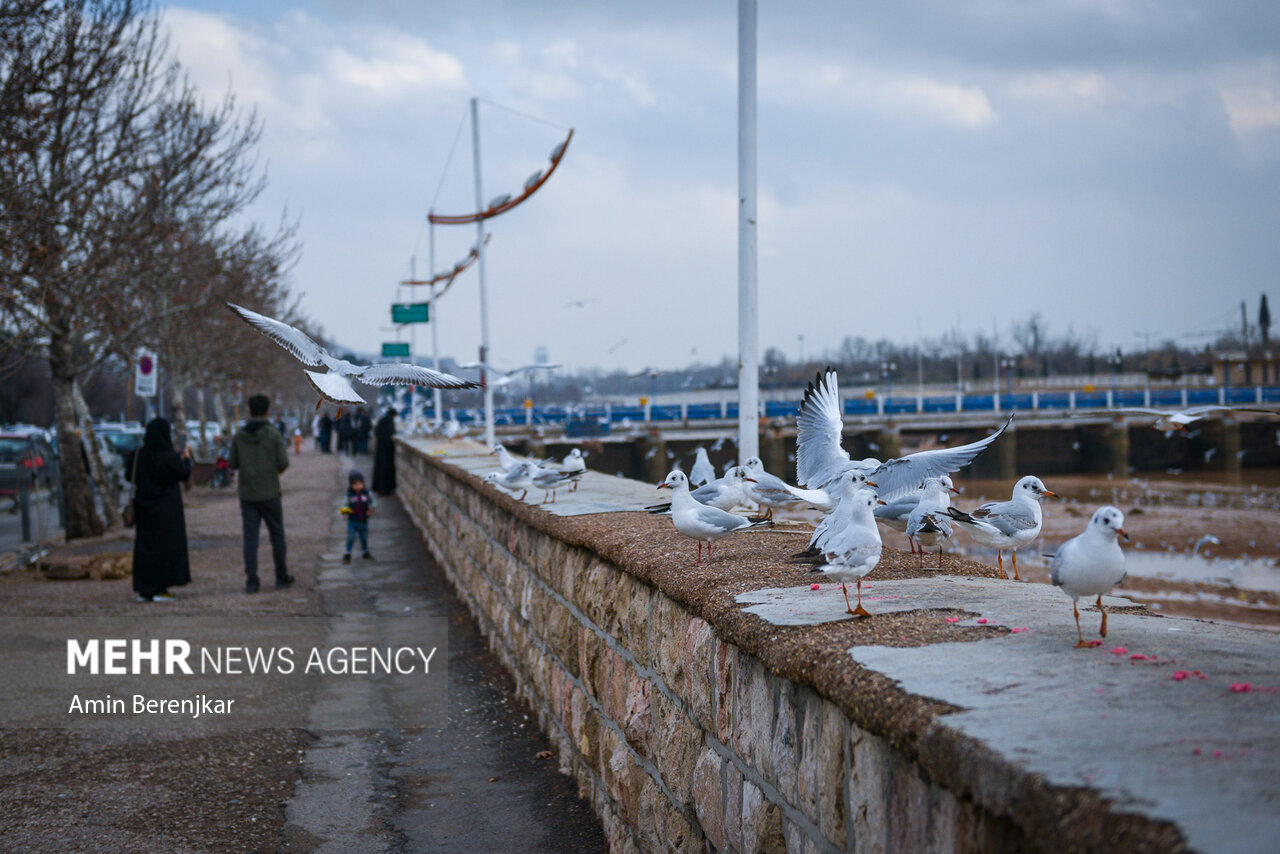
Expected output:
{"points": [[928, 524], [1169, 421], [894, 514], [1206, 540], [574, 464], [1091, 563], [856, 550], [819, 457], [520, 477], [506, 377], [1008, 524], [549, 480], [725, 493], [701, 521], [702, 472], [844, 487], [334, 385], [770, 491]]}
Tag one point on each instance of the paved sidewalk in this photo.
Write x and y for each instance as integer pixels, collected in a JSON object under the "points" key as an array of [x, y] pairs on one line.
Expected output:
{"points": [[134, 789]]}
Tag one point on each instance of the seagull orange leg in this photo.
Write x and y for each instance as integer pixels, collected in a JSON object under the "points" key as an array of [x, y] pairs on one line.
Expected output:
{"points": [[1082, 643], [1103, 631], [859, 611], [1000, 562], [1016, 577]]}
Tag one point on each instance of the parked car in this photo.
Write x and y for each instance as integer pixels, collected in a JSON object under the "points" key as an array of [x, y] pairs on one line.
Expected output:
{"points": [[26, 457], [112, 461], [122, 440]]}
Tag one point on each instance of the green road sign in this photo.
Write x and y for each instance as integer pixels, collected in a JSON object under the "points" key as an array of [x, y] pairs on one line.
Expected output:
{"points": [[409, 312], [393, 349]]}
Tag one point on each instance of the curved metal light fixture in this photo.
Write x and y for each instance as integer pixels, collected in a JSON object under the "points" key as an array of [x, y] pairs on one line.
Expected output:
{"points": [[506, 202], [449, 275]]}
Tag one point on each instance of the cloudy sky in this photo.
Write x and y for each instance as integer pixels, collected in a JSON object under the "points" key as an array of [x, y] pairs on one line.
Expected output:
{"points": [[923, 166]]}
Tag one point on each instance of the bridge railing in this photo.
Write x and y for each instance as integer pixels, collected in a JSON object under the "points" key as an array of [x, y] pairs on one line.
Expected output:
{"points": [[898, 404]]}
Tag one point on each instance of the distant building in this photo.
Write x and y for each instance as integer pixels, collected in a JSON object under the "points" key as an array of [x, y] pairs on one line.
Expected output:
{"points": [[1261, 367]]}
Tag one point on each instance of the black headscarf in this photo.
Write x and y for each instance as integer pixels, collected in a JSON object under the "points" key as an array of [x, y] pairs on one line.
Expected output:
{"points": [[157, 438]]}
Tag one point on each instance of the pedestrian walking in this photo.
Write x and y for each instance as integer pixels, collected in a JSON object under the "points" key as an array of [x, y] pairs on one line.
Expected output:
{"points": [[160, 558], [358, 509], [384, 454], [326, 433], [363, 426], [258, 451]]}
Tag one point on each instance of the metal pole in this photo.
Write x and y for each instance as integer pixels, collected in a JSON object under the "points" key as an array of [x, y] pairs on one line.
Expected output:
{"points": [[413, 353], [435, 315], [489, 438], [748, 325]]}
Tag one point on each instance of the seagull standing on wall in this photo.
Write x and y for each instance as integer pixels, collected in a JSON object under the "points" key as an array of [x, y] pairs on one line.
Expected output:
{"points": [[702, 522], [334, 385]]}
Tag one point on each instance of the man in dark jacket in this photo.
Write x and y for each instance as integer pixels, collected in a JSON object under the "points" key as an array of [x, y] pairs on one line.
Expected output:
{"points": [[259, 452]]}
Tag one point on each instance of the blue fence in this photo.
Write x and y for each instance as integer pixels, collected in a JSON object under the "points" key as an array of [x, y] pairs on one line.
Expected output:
{"points": [[1047, 401]]}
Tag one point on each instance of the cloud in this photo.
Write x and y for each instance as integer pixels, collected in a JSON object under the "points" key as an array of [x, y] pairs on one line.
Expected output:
{"points": [[1063, 88], [1251, 98]]}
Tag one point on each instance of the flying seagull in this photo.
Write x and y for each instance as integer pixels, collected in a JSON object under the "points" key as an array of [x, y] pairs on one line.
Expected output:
{"points": [[334, 385], [1170, 420], [506, 377]]}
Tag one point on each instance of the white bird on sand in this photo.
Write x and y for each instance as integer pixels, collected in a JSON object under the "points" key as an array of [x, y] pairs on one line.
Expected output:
{"points": [[770, 491], [702, 522], [575, 463], [702, 472], [1091, 563], [519, 476], [928, 524], [855, 551], [724, 493], [1169, 421], [334, 385], [820, 458], [894, 514], [1008, 524], [504, 377]]}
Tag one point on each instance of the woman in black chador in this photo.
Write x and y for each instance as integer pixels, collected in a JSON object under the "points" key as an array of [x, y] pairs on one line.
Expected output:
{"points": [[160, 539], [384, 454]]}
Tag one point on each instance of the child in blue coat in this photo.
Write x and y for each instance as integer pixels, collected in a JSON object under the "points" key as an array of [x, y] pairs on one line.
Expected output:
{"points": [[358, 509]]}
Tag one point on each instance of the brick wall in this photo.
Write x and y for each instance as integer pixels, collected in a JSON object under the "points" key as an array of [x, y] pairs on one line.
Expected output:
{"points": [[680, 741]]}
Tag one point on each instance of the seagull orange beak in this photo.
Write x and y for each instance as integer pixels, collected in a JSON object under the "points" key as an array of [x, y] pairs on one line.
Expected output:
{"points": [[953, 490], [750, 480], [879, 501], [1122, 532], [664, 485], [873, 483], [1049, 493]]}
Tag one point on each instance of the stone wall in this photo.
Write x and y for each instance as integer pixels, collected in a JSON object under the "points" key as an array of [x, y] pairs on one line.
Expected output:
{"points": [[680, 741]]}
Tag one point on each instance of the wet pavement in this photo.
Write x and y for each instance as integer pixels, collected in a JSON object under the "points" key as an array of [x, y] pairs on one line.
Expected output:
{"points": [[483, 778]]}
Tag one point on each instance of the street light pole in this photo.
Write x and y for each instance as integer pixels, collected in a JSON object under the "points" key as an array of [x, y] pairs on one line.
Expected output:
{"points": [[489, 437], [435, 314], [748, 326]]}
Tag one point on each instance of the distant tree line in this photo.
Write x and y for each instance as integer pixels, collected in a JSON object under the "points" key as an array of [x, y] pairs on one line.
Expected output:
{"points": [[120, 201]]}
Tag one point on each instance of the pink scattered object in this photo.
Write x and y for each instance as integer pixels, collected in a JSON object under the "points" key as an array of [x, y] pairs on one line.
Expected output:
{"points": [[1217, 754], [815, 586], [1196, 752], [1241, 687], [1137, 656], [1119, 650], [1020, 629], [1179, 675], [982, 619], [953, 619]]}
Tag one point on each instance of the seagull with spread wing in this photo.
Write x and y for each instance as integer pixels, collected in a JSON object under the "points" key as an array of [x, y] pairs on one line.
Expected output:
{"points": [[1169, 421], [334, 384], [505, 377], [820, 459]]}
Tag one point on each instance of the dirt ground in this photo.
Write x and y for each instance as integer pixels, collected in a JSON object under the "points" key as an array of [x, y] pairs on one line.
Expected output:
{"points": [[146, 791]]}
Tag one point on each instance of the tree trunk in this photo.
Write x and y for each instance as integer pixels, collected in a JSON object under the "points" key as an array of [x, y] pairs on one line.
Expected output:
{"points": [[178, 410], [204, 423], [89, 441], [82, 518]]}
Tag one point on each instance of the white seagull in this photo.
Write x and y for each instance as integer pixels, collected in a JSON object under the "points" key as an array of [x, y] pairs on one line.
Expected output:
{"points": [[928, 524], [1008, 524], [770, 491], [1169, 421], [1091, 563], [574, 464], [702, 472], [505, 377], [334, 385], [519, 476], [894, 514], [820, 458], [701, 521], [724, 493], [844, 488], [855, 551]]}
